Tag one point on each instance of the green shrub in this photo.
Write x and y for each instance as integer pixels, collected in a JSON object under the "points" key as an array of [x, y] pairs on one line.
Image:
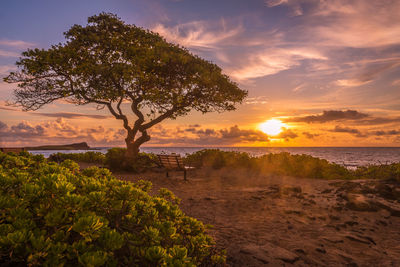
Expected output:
{"points": [[302, 166], [383, 171], [218, 159], [116, 160], [280, 163], [54, 215], [89, 157]]}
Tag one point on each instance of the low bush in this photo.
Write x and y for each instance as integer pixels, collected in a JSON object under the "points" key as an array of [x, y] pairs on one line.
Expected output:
{"points": [[280, 163], [302, 166], [218, 159], [116, 160], [89, 157], [383, 171], [53, 215]]}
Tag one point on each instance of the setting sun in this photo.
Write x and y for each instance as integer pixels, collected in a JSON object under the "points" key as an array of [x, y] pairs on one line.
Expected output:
{"points": [[272, 127]]}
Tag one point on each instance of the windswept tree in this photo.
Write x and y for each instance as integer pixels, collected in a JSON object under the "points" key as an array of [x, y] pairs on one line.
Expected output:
{"points": [[110, 63]]}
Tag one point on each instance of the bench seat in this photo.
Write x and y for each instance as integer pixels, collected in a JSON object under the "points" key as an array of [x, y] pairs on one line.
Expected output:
{"points": [[173, 162]]}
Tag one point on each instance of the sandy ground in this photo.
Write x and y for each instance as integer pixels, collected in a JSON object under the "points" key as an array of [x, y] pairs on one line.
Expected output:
{"points": [[283, 221]]}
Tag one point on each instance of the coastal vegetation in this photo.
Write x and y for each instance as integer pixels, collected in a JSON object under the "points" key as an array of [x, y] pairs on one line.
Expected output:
{"points": [[283, 163], [56, 214], [87, 157], [53, 215], [108, 63], [280, 163], [290, 164], [114, 159]]}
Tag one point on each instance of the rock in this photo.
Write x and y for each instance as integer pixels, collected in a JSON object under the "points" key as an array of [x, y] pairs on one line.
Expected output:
{"points": [[360, 203], [286, 190], [285, 255], [368, 238], [385, 191], [311, 201], [385, 214], [297, 212], [341, 225], [333, 239], [379, 205], [327, 191], [361, 239], [333, 217], [381, 222], [338, 208], [351, 223], [300, 250]]}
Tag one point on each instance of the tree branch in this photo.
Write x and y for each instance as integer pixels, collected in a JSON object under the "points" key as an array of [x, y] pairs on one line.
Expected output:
{"points": [[119, 116], [158, 119], [135, 106]]}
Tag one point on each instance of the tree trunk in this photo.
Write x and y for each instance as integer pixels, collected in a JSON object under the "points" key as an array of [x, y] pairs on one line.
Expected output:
{"points": [[132, 149], [132, 145]]}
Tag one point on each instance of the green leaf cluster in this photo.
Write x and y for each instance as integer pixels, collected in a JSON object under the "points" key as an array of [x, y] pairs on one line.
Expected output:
{"points": [[108, 61], [89, 157], [55, 215]]}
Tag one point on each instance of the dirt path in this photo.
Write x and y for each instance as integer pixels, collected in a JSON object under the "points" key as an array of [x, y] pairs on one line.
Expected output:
{"points": [[284, 221]]}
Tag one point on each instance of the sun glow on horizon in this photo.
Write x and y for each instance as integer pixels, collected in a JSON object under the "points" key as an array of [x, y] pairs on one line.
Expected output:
{"points": [[272, 127]]}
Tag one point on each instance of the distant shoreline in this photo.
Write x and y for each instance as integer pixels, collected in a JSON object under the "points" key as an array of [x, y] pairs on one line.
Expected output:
{"points": [[75, 146]]}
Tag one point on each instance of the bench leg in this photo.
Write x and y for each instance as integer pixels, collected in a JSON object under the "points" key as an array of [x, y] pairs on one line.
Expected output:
{"points": [[184, 175]]}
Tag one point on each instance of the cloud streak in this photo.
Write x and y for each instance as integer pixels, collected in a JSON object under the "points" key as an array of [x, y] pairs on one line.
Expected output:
{"points": [[272, 61], [197, 34], [328, 116], [70, 115], [5, 53], [353, 131], [16, 43]]}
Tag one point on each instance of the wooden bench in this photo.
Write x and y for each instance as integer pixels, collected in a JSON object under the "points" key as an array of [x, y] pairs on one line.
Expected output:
{"points": [[173, 162], [12, 149]]}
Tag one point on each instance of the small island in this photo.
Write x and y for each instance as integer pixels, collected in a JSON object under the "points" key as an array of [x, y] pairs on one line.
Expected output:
{"points": [[75, 146]]}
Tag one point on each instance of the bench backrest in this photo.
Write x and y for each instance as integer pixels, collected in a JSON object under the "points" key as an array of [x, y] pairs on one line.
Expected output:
{"points": [[12, 149], [171, 161]]}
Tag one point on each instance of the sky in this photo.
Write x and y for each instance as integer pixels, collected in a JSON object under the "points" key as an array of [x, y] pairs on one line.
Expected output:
{"points": [[329, 71]]}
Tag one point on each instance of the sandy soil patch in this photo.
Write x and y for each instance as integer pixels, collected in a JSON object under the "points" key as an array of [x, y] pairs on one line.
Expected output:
{"points": [[284, 221]]}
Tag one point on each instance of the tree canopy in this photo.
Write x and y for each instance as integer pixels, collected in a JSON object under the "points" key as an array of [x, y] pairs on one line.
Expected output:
{"points": [[108, 63]]}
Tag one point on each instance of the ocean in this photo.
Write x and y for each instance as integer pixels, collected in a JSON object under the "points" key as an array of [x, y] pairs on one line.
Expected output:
{"points": [[350, 157]]}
